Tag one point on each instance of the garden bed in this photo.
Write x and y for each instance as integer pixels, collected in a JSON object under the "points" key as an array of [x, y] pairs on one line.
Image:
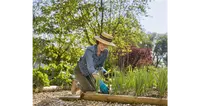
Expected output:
{"points": [[153, 85], [51, 99]]}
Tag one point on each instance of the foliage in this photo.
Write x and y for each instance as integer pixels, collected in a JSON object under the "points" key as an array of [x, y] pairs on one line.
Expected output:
{"points": [[63, 79], [116, 83], [38, 51], [40, 79], [161, 82], [140, 80], [50, 75], [54, 70], [161, 49], [136, 57]]}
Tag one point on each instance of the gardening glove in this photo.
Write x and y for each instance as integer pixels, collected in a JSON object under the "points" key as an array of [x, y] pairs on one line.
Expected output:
{"points": [[103, 88]]}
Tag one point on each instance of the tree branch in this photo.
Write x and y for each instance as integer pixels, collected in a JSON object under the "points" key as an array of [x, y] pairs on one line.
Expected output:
{"points": [[97, 18], [102, 10], [88, 38], [113, 33]]}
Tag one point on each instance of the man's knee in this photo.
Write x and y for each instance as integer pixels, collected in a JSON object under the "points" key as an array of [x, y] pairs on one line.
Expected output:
{"points": [[74, 87]]}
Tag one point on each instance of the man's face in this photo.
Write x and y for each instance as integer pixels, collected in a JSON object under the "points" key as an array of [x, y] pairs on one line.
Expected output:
{"points": [[102, 46]]}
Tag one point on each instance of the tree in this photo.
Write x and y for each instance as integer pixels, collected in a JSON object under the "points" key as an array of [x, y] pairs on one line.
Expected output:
{"points": [[56, 24], [137, 57], [160, 50], [68, 26]]}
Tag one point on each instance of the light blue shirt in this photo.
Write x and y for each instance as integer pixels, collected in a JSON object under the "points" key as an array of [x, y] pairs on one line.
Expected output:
{"points": [[90, 62]]}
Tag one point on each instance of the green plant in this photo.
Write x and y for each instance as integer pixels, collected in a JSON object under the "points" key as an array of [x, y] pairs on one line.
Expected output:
{"points": [[149, 79], [162, 82], [97, 84], [63, 79], [129, 79], [168, 77], [97, 80], [151, 68], [117, 81], [139, 82], [146, 79], [39, 79]]}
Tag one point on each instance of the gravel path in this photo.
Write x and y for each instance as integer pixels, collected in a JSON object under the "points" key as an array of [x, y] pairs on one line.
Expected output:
{"points": [[51, 99]]}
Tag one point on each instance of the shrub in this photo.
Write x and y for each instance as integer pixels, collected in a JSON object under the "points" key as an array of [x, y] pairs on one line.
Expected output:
{"points": [[63, 79], [39, 79], [138, 57]]}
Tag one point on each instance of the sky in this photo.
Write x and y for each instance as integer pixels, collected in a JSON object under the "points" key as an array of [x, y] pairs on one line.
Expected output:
{"points": [[157, 22]]}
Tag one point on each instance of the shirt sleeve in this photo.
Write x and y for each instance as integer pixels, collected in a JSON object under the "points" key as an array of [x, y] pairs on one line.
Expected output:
{"points": [[89, 61], [104, 59]]}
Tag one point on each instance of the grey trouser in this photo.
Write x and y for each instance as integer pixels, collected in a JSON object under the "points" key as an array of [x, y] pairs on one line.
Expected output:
{"points": [[85, 83]]}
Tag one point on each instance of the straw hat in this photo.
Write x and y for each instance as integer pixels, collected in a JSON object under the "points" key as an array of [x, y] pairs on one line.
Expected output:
{"points": [[105, 39]]}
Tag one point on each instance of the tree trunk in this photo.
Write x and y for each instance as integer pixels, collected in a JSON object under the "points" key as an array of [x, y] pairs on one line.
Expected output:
{"points": [[114, 29], [109, 26], [137, 58], [157, 61], [102, 10], [127, 62]]}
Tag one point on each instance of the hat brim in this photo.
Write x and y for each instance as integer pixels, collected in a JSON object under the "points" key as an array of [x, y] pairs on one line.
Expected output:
{"points": [[103, 41]]}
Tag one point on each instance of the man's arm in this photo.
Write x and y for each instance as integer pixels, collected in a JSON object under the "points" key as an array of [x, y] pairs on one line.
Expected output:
{"points": [[89, 61], [100, 67], [104, 58]]}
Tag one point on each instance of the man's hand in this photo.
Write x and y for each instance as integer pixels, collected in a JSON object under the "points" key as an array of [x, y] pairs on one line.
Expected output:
{"points": [[96, 76], [103, 88]]}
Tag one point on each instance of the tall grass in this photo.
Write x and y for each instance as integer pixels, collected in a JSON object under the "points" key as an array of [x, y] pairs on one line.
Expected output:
{"points": [[162, 82], [117, 82], [129, 83], [138, 80]]}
